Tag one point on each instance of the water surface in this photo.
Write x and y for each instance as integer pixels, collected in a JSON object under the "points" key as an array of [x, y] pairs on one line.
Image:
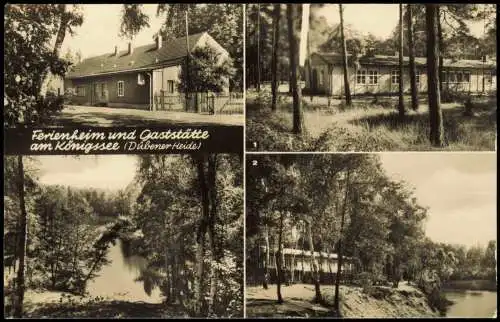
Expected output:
{"points": [[472, 304], [117, 279]]}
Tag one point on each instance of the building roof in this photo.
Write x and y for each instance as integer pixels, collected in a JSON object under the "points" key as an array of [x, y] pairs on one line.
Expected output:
{"points": [[143, 57], [385, 60]]}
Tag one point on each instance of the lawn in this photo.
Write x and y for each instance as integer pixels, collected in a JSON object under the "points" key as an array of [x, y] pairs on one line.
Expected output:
{"points": [[367, 126], [107, 116]]}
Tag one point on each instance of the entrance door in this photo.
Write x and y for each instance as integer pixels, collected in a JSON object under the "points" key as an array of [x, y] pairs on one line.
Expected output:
{"points": [[314, 83], [95, 94]]}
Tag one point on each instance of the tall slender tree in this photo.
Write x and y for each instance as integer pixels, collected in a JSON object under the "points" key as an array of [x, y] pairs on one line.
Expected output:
{"points": [[291, 12], [336, 303], [435, 115], [401, 102], [20, 283], [274, 60], [411, 54], [347, 89], [258, 47], [279, 257]]}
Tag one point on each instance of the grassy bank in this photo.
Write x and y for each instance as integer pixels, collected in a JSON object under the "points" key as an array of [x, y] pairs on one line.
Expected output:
{"points": [[406, 301], [368, 126]]}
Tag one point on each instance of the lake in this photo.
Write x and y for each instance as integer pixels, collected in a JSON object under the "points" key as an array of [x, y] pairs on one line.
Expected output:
{"points": [[472, 304], [117, 279]]}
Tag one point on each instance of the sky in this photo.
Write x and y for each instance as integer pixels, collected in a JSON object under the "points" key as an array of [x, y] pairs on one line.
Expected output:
{"points": [[378, 19], [459, 190], [99, 32], [108, 172]]}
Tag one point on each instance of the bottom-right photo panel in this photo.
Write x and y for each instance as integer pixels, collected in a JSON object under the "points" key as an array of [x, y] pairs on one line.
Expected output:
{"points": [[371, 235]]}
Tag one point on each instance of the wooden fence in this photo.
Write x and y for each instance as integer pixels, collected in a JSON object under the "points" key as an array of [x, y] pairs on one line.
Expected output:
{"points": [[204, 103]]}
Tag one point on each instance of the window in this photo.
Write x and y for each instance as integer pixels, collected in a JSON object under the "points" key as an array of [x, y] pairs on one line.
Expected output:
{"points": [[444, 77], [361, 77], [170, 86], [80, 91], [103, 89], [395, 77], [452, 77], [121, 88], [372, 77], [467, 77], [488, 77], [417, 77], [459, 77], [321, 77]]}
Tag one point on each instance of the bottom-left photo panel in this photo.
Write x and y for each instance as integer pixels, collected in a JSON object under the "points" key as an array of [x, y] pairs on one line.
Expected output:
{"points": [[119, 236]]}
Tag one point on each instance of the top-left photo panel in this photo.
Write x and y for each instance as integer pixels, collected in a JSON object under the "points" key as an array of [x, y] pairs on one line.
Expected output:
{"points": [[121, 65]]}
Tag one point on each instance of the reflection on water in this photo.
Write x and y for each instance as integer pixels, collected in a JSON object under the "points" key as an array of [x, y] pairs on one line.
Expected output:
{"points": [[117, 279], [472, 304]]}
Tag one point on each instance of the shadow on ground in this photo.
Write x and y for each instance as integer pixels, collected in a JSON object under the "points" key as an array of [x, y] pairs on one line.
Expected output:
{"points": [[105, 119], [289, 308], [108, 309]]}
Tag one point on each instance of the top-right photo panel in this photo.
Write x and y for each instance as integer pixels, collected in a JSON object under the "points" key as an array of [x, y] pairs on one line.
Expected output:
{"points": [[371, 77]]}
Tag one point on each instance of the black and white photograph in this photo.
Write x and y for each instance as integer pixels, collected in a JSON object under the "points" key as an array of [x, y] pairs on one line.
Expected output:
{"points": [[123, 236], [371, 77], [123, 65], [389, 235]]}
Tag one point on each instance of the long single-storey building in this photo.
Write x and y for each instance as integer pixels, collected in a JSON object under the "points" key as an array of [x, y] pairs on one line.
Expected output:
{"points": [[137, 77], [297, 265], [380, 74]]}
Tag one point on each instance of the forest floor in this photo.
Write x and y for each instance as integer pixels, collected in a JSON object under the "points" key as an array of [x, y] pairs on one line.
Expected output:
{"points": [[406, 301], [63, 305], [367, 126], [109, 116]]}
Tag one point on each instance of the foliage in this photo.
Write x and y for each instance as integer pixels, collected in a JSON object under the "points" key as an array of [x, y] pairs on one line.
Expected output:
{"points": [[208, 71], [29, 30], [168, 215], [224, 22], [133, 20]]}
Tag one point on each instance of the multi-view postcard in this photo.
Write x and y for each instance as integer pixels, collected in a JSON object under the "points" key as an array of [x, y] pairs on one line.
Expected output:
{"points": [[250, 160]]}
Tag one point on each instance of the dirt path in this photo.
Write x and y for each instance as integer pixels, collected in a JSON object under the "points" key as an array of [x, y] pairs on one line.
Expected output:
{"points": [[106, 116]]}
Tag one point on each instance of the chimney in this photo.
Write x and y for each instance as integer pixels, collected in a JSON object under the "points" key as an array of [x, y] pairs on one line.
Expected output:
{"points": [[129, 51], [158, 40], [116, 51]]}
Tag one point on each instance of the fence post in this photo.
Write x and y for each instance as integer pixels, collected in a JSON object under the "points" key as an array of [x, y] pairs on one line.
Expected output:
{"points": [[212, 106]]}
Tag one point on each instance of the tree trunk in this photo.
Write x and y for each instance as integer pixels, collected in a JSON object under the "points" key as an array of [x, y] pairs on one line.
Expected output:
{"points": [[298, 126], [435, 114], [292, 268], [347, 89], [440, 46], [200, 303], [317, 289], [20, 285], [278, 259], [212, 238], [411, 54], [336, 303], [258, 47], [274, 60], [266, 260], [61, 34], [188, 77], [401, 103]]}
